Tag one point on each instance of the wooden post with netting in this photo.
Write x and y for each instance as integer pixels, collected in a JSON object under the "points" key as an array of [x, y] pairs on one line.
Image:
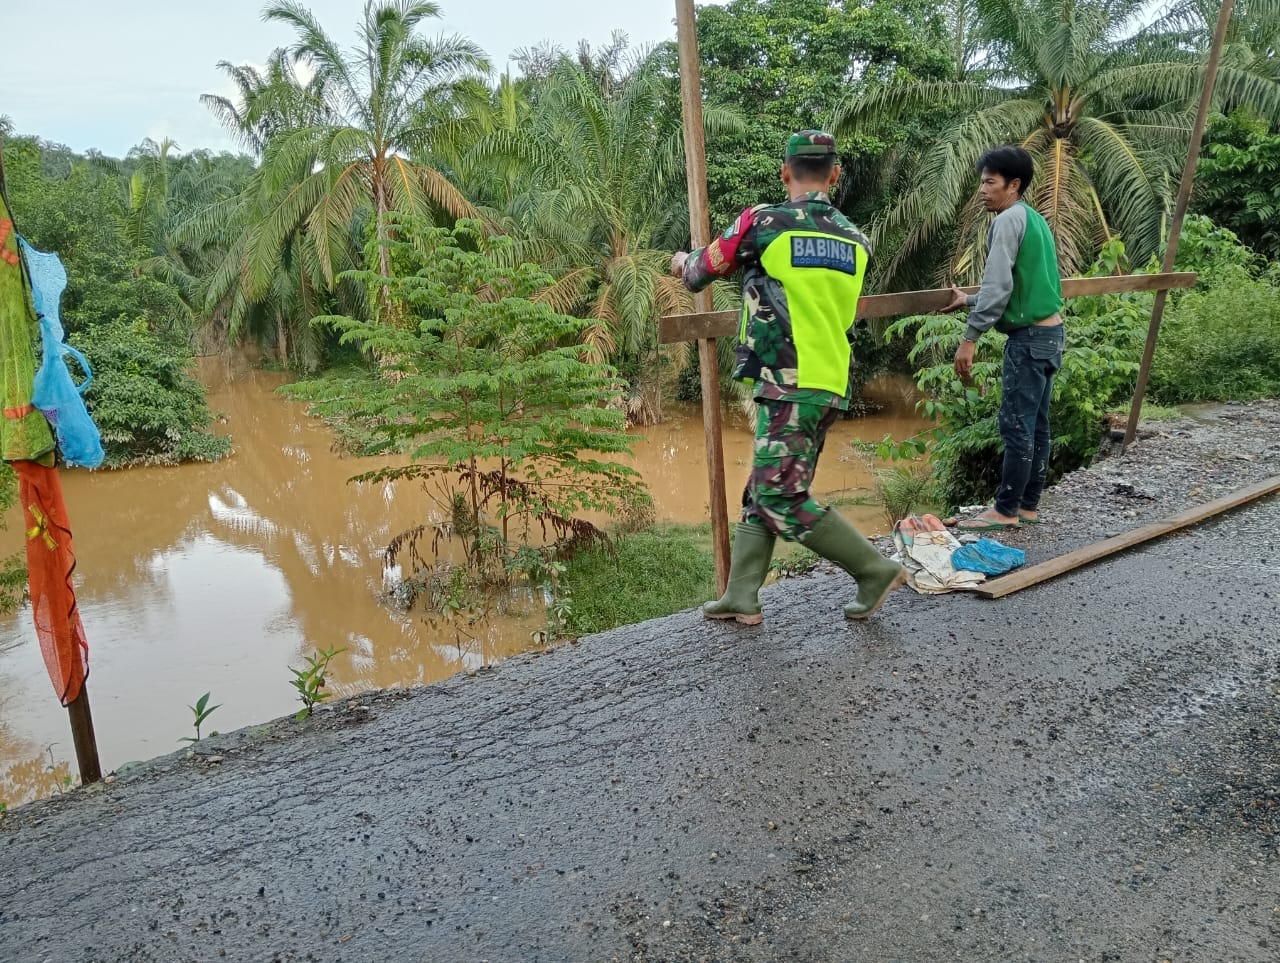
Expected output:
{"points": [[78, 713]]}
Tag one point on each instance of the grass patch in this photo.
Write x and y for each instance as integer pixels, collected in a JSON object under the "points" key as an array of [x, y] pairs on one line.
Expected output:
{"points": [[657, 572], [791, 559], [851, 498], [661, 570], [1153, 412]]}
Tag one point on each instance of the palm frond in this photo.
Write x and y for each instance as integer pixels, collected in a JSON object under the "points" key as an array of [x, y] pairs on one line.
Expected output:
{"points": [[289, 212], [946, 177], [1060, 194], [569, 293], [1125, 184], [871, 108], [314, 46], [329, 219], [1178, 85]]}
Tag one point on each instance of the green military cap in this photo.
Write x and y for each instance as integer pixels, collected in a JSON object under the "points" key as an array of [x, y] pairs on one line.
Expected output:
{"points": [[811, 143]]}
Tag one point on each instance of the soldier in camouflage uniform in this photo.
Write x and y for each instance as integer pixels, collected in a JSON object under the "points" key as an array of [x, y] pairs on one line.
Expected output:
{"points": [[804, 263]]}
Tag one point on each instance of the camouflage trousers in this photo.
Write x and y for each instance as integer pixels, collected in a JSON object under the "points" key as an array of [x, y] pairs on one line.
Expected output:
{"points": [[789, 439]]}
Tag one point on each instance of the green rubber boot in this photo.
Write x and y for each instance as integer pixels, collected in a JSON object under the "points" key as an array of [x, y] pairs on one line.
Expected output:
{"points": [[835, 539], [748, 568]]}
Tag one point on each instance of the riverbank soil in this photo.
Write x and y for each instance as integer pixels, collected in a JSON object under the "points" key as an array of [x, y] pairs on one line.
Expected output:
{"points": [[1086, 770]]}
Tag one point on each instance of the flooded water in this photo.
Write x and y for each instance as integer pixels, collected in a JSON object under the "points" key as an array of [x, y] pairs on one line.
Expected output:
{"points": [[219, 577]]}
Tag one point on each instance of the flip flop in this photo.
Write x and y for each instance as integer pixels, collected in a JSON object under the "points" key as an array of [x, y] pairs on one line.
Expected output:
{"points": [[985, 525], [1028, 521]]}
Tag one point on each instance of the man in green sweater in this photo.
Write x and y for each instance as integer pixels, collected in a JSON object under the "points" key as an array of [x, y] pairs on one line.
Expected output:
{"points": [[1021, 296]]}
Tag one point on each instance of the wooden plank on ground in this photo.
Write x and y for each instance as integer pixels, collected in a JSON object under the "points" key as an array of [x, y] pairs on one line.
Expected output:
{"points": [[720, 324], [1035, 574]]}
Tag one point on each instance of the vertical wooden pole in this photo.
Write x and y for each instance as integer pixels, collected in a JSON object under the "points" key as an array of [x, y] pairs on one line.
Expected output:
{"points": [[695, 157], [85, 741], [1179, 213], [82, 735]]}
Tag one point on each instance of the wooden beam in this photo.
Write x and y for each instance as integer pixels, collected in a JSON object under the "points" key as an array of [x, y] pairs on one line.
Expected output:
{"points": [[1179, 212], [1126, 283], [695, 159], [1035, 574], [719, 324]]}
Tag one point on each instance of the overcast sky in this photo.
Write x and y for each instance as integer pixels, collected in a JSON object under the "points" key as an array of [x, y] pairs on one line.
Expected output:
{"points": [[108, 73]]}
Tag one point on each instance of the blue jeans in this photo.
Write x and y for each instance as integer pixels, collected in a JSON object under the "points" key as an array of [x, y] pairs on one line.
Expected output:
{"points": [[1032, 356]]}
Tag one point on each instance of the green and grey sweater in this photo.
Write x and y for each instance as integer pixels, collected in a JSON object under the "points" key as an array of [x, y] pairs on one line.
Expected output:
{"points": [[1020, 285]]}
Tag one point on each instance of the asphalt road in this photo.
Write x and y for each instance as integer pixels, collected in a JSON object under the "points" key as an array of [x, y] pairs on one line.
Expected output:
{"points": [[1089, 770]]}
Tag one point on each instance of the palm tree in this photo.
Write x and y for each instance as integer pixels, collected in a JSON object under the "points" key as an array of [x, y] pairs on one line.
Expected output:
{"points": [[149, 193], [335, 148], [273, 307], [166, 186], [606, 179], [270, 102], [280, 297], [474, 114], [605, 66], [190, 214], [1104, 109], [361, 154], [164, 189]]}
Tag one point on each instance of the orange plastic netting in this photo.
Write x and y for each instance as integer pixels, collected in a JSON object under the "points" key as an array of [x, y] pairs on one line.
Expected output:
{"points": [[50, 563], [26, 440]]}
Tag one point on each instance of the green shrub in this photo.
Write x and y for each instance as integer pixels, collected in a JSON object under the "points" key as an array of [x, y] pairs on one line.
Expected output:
{"points": [[1238, 179], [145, 402], [1222, 344], [1213, 252], [903, 490]]}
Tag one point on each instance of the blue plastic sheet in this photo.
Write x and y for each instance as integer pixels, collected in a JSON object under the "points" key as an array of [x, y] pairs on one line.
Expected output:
{"points": [[988, 557], [53, 392]]}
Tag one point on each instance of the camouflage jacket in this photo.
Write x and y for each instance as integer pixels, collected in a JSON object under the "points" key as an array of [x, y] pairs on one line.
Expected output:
{"points": [[804, 263]]}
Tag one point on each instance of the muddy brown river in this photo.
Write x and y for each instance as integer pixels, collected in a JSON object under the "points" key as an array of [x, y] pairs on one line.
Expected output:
{"points": [[219, 577]]}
